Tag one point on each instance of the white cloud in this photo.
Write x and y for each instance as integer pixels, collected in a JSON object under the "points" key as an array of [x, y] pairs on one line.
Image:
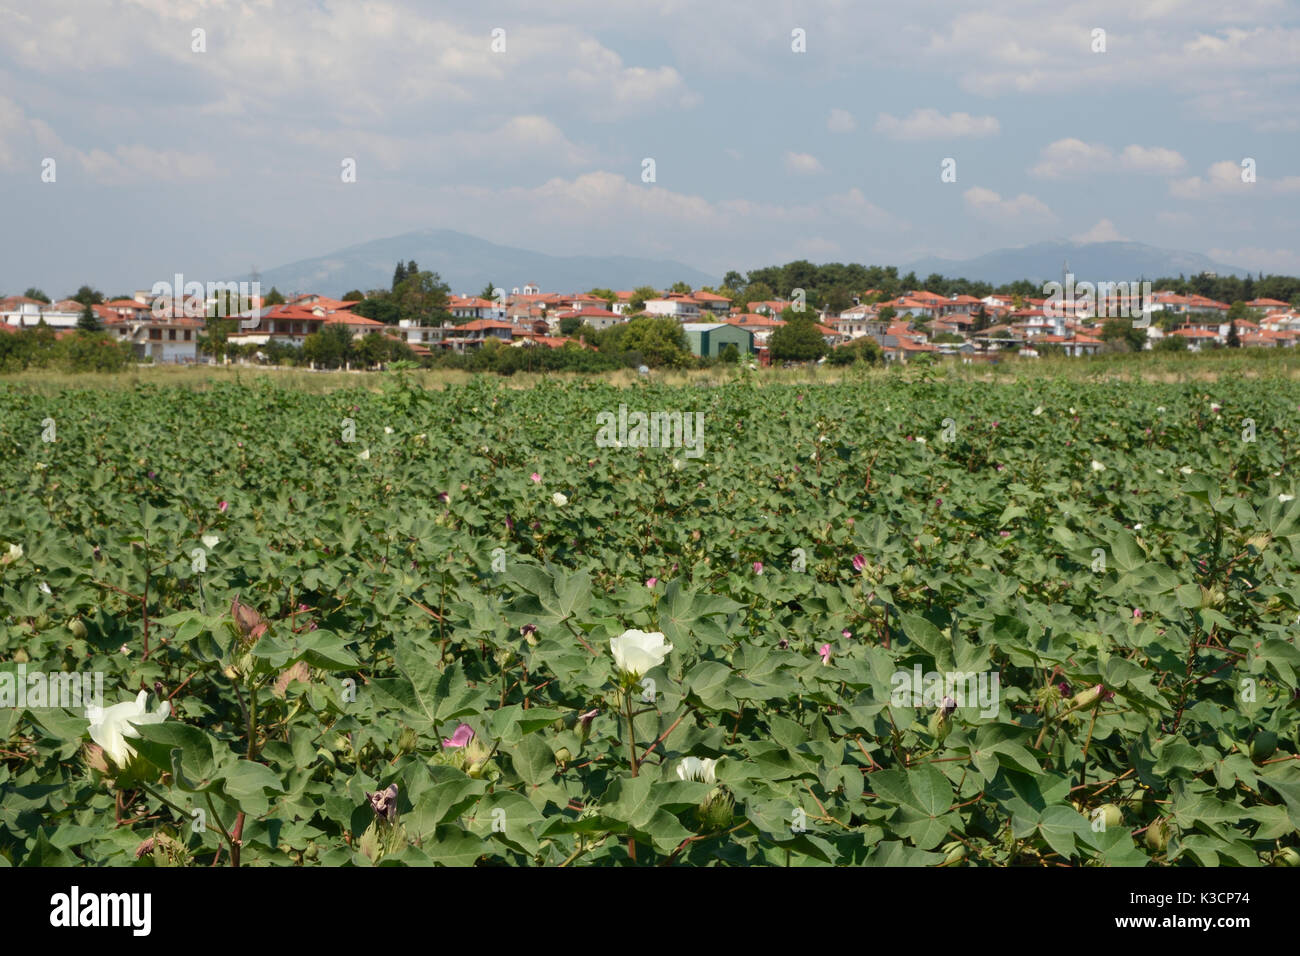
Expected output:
{"points": [[841, 121], [1071, 157], [1222, 179], [1151, 159], [1022, 210], [931, 124], [804, 164], [1103, 231]]}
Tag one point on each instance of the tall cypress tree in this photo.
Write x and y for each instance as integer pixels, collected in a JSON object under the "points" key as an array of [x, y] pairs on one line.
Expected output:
{"points": [[399, 275], [87, 321]]}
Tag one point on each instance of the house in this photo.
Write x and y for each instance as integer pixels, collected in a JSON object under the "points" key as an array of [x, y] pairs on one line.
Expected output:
{"points": [[770, 307], [472, 307], [710, 338], [598, 318], [708, 301], [165, 340], [679, 306]]}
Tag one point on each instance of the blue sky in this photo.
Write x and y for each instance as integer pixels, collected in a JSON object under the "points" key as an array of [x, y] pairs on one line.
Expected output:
{"points": [[208, 163]]}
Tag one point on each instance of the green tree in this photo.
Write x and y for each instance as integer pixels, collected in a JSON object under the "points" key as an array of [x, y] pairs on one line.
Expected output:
{"points": [[659, 341], [1124, 331], [87, 321], [38, 295], [681, 287], [489, 292], [733, 281], [799, 340], [1234, 338], [422, 297], [330, 347], [88, 296], [570, 325], [605, 295], [865, 349], [729, 354], [356, 295], [1170, 343], [274, 297], [639, 296]]}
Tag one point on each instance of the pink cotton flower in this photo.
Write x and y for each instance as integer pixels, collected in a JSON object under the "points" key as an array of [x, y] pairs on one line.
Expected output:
{"points": [[825, 652], [535, 476], [846, 634], [859, 562], [223, 506], [1004, 534], [651, 582], [463, 735], [1137, 613], [758, 567]]}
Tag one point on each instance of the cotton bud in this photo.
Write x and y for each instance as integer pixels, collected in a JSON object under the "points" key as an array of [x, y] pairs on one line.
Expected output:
{"points": [[1157, 837]]}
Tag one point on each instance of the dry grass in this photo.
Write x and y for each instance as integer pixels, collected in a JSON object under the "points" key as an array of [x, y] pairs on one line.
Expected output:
{"points": [[1162, 368]]}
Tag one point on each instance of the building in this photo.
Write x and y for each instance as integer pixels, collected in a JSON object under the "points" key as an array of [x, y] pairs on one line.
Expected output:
{"points": [[710, 338]]}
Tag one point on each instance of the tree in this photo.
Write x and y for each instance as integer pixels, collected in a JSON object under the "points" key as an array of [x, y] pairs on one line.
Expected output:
{"points": [[605, 295], [38, 295], [489, 292], [837, 300], [733, 281], [660, 341], [87, 321], [330, 347], [1238, 310], [399, 275], [1170, 343], [865, 349], [729, 354], [1234, 339], [887, 313], [639, 296], [799, 340], [274, 297], [570, 325], [88, 296], [356, 295], [421, 296], [1125, 332], [681, 287]]}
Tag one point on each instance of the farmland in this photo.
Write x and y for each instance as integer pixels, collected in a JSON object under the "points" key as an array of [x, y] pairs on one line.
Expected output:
{"points": [[381, 584]]}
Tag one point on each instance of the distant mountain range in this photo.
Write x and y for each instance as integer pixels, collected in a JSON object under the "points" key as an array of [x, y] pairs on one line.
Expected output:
{"points": [[468, 263], [1090, 261]]}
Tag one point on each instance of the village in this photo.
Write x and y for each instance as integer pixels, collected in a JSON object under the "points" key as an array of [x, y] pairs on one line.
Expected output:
{"points": [[916, 323]]}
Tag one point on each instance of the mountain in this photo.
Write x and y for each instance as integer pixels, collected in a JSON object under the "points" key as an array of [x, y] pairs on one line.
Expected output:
{"points": [[1090, 261], [468, 263]]}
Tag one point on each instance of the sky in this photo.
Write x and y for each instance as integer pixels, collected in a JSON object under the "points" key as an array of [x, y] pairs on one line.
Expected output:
{"points": [[777, 130]]}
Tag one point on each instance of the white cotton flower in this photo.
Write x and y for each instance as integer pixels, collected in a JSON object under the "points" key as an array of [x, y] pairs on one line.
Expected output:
{"points": [[920, 439], [365, 455], [1072, 411], [559, 500], [1285, 498], [695, 768], [1097, 466], [44, 587], [210, 541], [14, 553], [1037, 411], [1186, 469], [1160, 408], [387, 430], [1137, 527], [110, 728], [635, 652], [677, 464]]}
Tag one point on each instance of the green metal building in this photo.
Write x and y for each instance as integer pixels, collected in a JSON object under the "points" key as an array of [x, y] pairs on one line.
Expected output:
{"points": [[710, 338]]}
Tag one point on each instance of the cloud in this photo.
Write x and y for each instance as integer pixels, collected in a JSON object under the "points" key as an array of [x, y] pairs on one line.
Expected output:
{"points": [[1222, 179], [804, 164], [1022, 210], [931, 124], [1103, 231], [841, 121], [1069, 158], [1151, 159]]}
